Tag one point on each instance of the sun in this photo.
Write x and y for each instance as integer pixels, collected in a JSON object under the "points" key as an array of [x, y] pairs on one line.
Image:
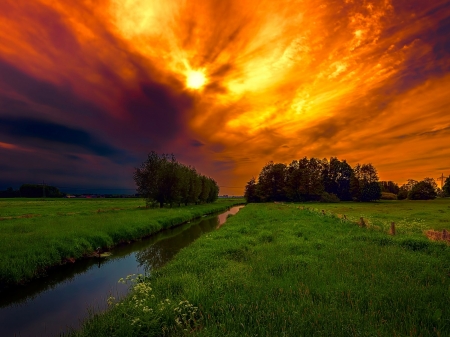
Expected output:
{"points": [[195, 79]]}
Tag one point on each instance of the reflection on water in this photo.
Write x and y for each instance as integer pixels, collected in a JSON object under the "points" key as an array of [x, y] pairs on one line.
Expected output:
{"points": [[54, 304]]}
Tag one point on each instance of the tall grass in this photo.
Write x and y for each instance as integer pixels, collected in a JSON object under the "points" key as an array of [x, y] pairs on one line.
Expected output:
{"points": [[275, 270], [30, 244]]}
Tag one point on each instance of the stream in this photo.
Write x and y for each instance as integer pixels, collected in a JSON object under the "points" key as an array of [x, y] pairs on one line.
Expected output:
{"points": [[59, 302]]}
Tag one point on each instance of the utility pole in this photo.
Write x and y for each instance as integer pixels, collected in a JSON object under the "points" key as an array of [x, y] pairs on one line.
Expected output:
{"points": [[441, 178], [43, 189]]}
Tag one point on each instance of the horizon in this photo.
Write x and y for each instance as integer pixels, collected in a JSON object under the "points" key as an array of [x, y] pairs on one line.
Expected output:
{"points": [[87, 91]]}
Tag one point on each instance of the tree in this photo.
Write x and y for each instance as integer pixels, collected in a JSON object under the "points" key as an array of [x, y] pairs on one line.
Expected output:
{"points": [[251, 191], [10, 193], [389, 186], [364, 183], [446, 187], [423, 190], [161, 179], [272, 181], [370, 191], [304, 179], [432, 182], [337, 177], [39, 191]]}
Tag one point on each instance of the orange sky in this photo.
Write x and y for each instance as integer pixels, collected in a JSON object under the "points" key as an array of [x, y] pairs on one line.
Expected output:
{"points": [[87, 88]]}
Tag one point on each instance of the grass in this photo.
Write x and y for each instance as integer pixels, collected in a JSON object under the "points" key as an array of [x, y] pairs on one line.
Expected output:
{"points": [[410, 216], [37, 234], [275, 270]]}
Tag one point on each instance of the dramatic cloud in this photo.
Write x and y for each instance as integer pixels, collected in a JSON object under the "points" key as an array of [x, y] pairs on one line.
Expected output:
{"points": [[87, 88]]}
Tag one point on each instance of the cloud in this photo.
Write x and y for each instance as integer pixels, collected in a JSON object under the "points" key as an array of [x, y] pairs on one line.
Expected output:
{"points": [[367, 82], [34, 132]]}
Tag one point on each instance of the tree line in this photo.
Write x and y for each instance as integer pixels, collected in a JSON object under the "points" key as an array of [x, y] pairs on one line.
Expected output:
{"points": [[314, 179], [32, 191], [332, 181], [425, 189], [162, 180]]}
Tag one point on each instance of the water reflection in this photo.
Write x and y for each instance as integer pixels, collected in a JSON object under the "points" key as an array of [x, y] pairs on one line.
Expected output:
{"points": [[58, 302]]}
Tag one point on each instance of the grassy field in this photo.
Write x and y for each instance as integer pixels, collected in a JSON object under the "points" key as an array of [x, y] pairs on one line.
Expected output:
{"points": [[410, 216], [276, 270], [36, 234]]}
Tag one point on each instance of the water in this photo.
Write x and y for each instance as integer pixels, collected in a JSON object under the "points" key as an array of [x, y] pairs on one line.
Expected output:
{"points": [[60, 302]]}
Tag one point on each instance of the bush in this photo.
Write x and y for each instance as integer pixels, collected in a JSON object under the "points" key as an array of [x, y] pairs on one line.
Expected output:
{"points": [[329, 197], [388, 196]]}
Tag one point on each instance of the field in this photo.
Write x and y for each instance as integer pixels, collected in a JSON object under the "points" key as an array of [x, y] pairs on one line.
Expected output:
{"points": [[277, 270], [410, 216], [36, 233]]}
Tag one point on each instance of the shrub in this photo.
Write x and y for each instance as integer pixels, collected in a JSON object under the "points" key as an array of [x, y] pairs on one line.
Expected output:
{"points": [[388, 196], [329, 197]]}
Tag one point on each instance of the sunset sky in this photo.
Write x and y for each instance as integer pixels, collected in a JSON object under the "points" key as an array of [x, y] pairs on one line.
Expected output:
{"points": [[89, 87]]}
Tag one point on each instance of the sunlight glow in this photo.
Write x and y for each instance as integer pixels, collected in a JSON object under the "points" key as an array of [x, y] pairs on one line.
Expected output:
{"points": [[195, 79]]}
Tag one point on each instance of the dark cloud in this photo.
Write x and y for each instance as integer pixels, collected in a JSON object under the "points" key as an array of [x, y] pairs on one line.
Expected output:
{"points": [[42, 92], [39, 130], [156, 111], [196, 143], [223, 165]]}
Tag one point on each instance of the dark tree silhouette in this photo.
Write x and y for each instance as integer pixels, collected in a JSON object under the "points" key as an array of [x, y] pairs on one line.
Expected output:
{"points": [[423, 190], [251, 192], [446, 187], [161, 179]]}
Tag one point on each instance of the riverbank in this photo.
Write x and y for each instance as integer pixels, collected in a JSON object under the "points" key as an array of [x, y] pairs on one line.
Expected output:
{"points": [[36, 234], [276, 270]]}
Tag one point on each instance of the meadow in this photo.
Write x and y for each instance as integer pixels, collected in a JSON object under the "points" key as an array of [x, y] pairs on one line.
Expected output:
{"points": [[277, 270], [36, 234], [410, 216]]}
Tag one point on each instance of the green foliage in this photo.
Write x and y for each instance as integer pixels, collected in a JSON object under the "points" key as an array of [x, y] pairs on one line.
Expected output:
{"points": [[35, 234], [329, 198], [422, 191], [161, 179], [278, 271]]}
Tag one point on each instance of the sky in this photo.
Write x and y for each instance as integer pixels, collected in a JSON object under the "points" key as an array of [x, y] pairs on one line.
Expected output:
{"points": [[89, 87]]}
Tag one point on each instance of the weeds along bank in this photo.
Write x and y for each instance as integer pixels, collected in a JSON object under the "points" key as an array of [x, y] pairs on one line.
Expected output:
{"points": [[36, 234], [275, 270]]}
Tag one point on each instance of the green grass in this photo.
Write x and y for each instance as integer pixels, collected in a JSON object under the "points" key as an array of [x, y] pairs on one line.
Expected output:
{"points": [[275, 270], [36, 234], [410, 216]]}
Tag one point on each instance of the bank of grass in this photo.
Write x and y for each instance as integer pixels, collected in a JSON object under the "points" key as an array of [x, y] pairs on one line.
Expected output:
{"points": [[410, 216], [37, 234], [275, 270]]}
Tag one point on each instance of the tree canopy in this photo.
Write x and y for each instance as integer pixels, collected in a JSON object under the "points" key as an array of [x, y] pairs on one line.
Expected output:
{"points": [[161, 179], [308, 179], [423, 190], [446, 187]]}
